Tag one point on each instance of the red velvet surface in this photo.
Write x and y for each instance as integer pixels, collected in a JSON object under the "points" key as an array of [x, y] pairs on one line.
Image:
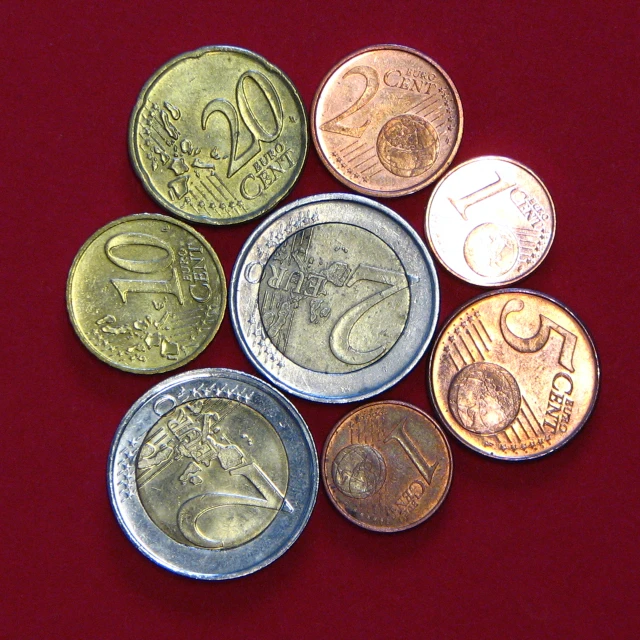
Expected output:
{"points": [[546, 549]]}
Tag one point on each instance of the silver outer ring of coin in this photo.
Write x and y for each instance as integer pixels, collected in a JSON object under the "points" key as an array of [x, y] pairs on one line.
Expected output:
{"points": [[432, 364], [481, 281], [196, 562], [409, 249]]}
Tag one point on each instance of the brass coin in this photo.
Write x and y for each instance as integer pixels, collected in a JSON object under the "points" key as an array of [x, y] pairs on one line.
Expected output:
{"points": [[490, 221], [218, 135], [514, 374], [387, 466], [387, 121], [146, 293]]}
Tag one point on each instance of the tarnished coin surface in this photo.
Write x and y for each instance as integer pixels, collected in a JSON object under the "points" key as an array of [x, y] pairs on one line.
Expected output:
{"points": [[334, 298], [146, 293], [514, 374], [386, 121], [218, 135], [387, 466], [490, 221], [213, 474]]}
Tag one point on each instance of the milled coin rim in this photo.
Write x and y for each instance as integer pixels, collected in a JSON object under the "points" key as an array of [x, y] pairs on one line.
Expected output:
{"points": [[197, 562], [145, 178], [497, 282], [525, 457], [325, 471], [72, 272], [353, 185], [419, 327]]}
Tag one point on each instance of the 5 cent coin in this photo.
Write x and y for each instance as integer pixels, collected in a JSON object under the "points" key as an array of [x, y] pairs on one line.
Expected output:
{"points": [[490, 221], [514, 374], [146, 293], [387, 466], [213, 474], [218, 135], [386, 121], [334, 298]]}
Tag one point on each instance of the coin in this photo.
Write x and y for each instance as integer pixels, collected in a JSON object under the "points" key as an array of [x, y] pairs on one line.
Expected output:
{"points": [[386, 121], [514, 374], [218, 135], [387, 466], [146, 293], [213, 474], [490, 221], [334, 298]]}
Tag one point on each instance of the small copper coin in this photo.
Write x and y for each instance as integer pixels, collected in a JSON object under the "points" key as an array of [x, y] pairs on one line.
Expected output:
{"points": [[387, 466], [387, 121], [490, 221], [514, 375]]}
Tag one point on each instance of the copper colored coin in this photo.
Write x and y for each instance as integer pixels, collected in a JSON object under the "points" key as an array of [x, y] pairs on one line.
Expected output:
{"points": [[387, 121], [514, 374], [387, 466], [490, 221]]}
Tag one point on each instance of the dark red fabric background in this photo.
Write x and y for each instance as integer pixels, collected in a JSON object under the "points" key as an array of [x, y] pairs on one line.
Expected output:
{"points": [[546, 549]]}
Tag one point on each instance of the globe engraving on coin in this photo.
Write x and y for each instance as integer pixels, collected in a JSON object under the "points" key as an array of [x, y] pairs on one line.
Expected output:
{"points": [[146, 293], [490, 221], [387, 466], [359, 471], [386, 121], [218, 135], [334, 298], [514, 374], [484, 398], [213, 474]]}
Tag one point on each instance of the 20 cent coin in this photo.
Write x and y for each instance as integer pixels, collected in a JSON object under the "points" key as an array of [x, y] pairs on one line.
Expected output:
{"points": [[218, 135]]}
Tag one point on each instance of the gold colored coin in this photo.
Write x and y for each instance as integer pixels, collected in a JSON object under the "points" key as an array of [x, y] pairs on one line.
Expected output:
{"points": [[387, 466], [490, 221], [387, 121], [514, 375], [146, 293], [218, 135], [188, 467]]}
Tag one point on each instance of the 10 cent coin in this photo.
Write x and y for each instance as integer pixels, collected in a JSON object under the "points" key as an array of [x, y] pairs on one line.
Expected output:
{"points": [[387, 466], [213, 474], [146, 293], [334, 298], [514, 374]]}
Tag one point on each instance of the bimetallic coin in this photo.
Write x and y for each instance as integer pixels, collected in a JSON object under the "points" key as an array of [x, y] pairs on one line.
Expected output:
{"points": [[213, 474], [386, 121], [514, 375], [218, 135], [490, 221], [334, 298], [146, 293], [387, 466]]}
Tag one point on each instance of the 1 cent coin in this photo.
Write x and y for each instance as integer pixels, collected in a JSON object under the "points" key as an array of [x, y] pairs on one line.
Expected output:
{"points": [[213, 474], [387, 466], [218, 135], [146, 293], [514, 374], [386, 121], [490, 221]]}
